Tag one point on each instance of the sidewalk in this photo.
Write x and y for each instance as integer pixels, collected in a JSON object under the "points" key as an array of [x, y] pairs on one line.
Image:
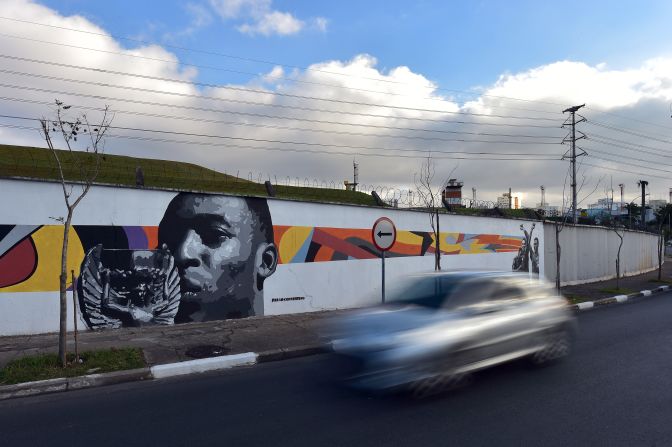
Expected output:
{"points": [[169, 344], [281, 333], [603, 289]]}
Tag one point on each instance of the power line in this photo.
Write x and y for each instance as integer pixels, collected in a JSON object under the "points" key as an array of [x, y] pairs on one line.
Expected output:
{"points": [[629, 132], [206, 109], [630, 164], [602, 112], [263, 140], [279, 149], [214, 53], [257, 115], [239, 101], [625, 171], [630, 147], [302, 129], [629, 158], [219, 85]]}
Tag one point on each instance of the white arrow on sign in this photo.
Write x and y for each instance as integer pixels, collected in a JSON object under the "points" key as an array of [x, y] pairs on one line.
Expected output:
{"points": [[384, 233]]}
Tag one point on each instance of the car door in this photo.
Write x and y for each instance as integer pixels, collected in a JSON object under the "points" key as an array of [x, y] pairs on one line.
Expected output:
{"points": [[508, 320], [470, 306]]}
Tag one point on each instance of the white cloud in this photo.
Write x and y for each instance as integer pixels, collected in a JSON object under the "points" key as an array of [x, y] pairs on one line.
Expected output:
{"points": [[321, 24], [275, 22], [260, 18], [274, 75], [232, 9], [366, 107]]}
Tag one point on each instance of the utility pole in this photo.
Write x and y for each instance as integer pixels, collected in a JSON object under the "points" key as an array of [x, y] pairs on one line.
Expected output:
{"points": [[643, 184], [543, 197], [622, 186], [510, 198], [572, 111]]}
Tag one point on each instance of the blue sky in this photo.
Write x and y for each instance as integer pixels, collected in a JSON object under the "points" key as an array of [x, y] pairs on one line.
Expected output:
{"points": [[460, 45], [358, 101]]}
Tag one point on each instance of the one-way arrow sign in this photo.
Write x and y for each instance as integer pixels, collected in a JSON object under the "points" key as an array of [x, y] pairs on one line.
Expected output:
{"points": [[384, 233]]}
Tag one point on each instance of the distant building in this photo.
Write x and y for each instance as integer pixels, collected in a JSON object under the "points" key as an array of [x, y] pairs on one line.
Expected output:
{"points": [[503, 201], [514, 201], [452, 193]]}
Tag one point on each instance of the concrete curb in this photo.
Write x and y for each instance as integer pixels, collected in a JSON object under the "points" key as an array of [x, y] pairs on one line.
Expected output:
{"points": [[158, 371], [72, 383], [203, 365], [290, 353], [616, 299]]}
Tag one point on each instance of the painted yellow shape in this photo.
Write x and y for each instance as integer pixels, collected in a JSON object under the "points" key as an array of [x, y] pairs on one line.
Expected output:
{"points": [[48, 242], [467, 247], [292, 241], [406, 237]]}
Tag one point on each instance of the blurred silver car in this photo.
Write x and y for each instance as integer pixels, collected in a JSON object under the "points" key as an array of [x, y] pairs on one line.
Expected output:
{"points": [[436, 328]]}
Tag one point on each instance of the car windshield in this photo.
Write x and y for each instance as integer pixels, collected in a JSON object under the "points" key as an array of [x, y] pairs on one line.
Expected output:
{"points": [[430, 291]]}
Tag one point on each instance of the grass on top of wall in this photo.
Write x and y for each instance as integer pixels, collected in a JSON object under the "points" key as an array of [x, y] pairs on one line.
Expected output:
{"points": [[39, 163], [45, 366]]}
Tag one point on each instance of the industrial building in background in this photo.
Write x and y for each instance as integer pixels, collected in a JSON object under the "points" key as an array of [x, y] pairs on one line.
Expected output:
{"points": [[451, 195]]}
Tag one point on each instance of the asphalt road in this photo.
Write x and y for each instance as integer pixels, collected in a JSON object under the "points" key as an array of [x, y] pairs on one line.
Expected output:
{"points": [[615, 390]]}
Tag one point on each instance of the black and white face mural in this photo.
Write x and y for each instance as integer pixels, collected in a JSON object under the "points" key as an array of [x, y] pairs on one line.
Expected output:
{"points": [[527, 259], [216, 252]]}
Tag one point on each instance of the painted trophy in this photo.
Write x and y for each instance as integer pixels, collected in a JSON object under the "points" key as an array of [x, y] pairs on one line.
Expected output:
{"points": [[128, 287]]}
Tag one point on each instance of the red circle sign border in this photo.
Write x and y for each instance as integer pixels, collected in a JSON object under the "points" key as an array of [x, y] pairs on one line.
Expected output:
{"points": [[373, 234]]}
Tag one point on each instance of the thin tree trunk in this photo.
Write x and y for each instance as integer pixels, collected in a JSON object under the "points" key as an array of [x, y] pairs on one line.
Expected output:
{"points": [[557, 256], [62, 333], [660, 253], [74, 313], [437, 265]]}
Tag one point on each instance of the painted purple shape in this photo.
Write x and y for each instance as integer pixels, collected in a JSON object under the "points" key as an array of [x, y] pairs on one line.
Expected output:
{"points": [[137, 239]]}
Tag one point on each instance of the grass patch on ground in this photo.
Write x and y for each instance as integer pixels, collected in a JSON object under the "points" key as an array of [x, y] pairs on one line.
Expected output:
{"points": [[661, 281], [39, 163], [615, 291], [43, 367], [575, 299]]}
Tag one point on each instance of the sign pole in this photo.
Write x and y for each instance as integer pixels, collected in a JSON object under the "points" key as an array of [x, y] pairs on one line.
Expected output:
{"points": [[383, 287], [383, 235]]}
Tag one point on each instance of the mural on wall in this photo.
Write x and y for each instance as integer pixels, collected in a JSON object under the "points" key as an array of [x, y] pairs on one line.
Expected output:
{"points": [[527, 259], [122, 287], [206, 260], [320, 244], [224, 250]]}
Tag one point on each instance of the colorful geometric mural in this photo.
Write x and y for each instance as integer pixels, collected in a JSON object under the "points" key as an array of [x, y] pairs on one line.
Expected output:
{"points": [[321, 244], [30, 255]]}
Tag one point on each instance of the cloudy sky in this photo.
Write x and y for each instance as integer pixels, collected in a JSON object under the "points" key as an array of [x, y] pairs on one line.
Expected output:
{"points": [[280, 89]]}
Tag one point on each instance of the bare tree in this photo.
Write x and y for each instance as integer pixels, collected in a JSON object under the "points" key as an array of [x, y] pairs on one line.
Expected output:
{"points": [[565, 215], [620, 232], [429, 197], [617, 228], [77, 170], [661, 240]]}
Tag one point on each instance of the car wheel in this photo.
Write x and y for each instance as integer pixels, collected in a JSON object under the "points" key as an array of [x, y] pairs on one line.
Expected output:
{"points": [[558, 345], [439, 383]]}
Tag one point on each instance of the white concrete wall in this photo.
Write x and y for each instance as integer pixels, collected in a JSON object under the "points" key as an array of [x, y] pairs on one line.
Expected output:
{"points": [[334, 285], [321, 285], [589, 253]]}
